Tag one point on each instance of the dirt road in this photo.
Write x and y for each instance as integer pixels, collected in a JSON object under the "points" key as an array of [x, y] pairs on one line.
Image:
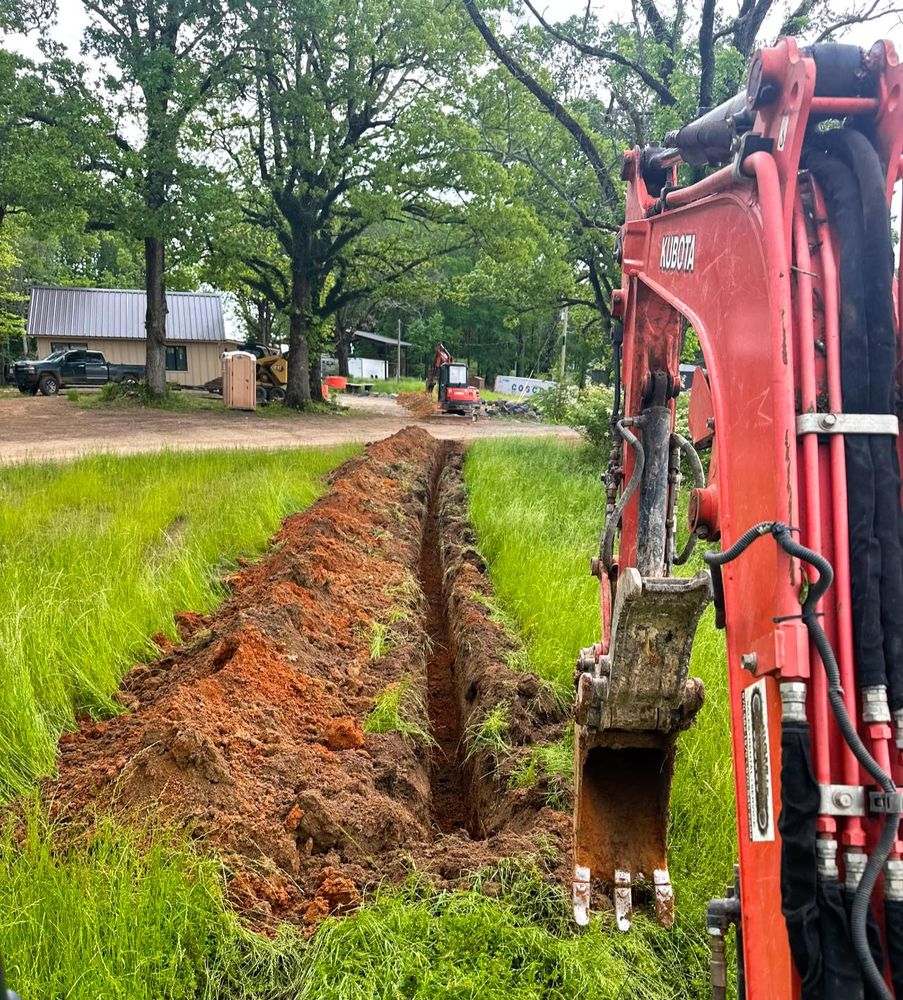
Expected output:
{"points": [[39, 428]]}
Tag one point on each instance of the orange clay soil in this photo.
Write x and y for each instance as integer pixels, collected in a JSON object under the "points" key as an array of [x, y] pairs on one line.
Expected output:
{"points": [[250, 733], [420, 404]]}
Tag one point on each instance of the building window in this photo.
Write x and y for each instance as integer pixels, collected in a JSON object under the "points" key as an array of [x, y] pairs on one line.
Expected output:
{"points": [[61, 345], [177, 359]]}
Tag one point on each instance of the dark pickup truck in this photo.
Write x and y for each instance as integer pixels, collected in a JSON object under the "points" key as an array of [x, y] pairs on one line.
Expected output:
{"points": [[65, 368]]}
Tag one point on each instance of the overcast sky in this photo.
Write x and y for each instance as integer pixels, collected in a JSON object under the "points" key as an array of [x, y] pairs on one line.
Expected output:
{"points": [[72, 19]]}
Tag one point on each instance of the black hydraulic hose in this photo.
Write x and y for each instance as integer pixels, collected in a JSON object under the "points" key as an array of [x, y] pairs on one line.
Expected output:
{"points": [[693, 458], [698, 480], [617, 340], [859, 156], [863, 896], [608, 536], [841, 192]]}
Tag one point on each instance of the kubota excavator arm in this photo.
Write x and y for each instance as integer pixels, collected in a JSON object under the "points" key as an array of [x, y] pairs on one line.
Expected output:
{"points": [[781, 261]]}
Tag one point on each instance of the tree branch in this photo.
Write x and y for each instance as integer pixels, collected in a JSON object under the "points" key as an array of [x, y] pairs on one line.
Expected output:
{"points": [[610, 55], [553, 106]]}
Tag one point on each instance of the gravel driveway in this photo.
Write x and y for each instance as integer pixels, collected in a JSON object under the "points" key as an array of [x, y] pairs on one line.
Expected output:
{"points": [[38, 428]]}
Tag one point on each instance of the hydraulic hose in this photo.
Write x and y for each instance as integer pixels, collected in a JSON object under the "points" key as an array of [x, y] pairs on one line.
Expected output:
{"points": [[698, 480], [617, 340], [863, 895], [608, 536]]}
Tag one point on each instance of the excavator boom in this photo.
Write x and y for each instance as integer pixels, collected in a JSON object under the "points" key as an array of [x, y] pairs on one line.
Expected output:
{"points": [[781, 262]]}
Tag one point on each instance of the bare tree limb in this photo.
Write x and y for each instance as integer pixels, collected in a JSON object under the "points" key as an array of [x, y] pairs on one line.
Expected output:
{"points": [[553, 106], [609, 55]]}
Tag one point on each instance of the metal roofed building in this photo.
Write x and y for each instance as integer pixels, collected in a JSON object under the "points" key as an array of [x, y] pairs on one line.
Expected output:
{"points": [[376, 356], [112, 321]]}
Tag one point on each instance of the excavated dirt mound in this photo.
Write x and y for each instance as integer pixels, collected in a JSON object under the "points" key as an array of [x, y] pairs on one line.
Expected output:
{"points": [[420, 404], [250, 734]]}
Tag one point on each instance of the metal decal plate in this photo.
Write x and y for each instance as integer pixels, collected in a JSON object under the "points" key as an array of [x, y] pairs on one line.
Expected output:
{"points": [[758, 762]]}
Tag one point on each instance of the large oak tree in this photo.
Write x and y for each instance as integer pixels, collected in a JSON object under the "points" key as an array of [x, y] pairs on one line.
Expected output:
{"points": [[166, 61]]}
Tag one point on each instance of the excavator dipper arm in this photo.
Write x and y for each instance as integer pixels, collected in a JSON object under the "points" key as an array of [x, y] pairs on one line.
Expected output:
{"points": [[781, 262]]}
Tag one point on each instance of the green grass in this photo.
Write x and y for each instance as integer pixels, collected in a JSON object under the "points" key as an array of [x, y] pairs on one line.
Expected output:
{"points": [[395, 385], [183, 401], [379, 640], [488, 733], [392, 385], [119, 918], [400, 709], [553, 762], [99, 554], [119, 397], [421, 945], [538, 508]]}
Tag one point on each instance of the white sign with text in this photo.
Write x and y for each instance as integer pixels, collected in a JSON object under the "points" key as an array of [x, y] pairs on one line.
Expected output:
{"points": [[512, 385]]}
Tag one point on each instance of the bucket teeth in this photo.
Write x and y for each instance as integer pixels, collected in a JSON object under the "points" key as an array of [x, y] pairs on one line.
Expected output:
{"points": [[623, 899], [581, 895], [664, 897]]}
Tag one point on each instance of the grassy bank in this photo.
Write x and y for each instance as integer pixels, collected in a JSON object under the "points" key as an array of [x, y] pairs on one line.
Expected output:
{"points": [[538, 508], [396, 385], [391, 385], [99, 554]]}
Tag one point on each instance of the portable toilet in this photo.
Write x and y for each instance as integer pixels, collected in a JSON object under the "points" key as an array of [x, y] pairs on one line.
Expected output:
{"points": [[239, 380]]}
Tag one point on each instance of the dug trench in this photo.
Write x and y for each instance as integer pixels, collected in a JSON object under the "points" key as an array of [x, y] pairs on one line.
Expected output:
{"points": [[327, 728]]}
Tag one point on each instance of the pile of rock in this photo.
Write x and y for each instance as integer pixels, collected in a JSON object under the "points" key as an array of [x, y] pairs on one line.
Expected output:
{"points": [[522, 409]]}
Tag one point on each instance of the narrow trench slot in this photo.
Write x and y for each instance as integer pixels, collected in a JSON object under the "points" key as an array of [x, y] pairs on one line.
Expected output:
{"points": [[448, 787]]}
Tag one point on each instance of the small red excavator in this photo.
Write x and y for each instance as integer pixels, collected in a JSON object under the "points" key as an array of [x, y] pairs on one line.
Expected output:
{"points": [[781, 261], [455, 395]]}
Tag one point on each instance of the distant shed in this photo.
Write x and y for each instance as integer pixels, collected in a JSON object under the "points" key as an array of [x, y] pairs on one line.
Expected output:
{"points": [[112, 321], [375, 356]]}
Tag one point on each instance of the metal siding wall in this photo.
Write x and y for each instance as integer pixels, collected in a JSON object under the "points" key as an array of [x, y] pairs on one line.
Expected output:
{"points": [[120, 352]]}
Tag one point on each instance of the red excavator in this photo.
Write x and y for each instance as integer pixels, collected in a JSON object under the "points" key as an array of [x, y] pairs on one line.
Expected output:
{"points": [[455, 395], [781, 261]]}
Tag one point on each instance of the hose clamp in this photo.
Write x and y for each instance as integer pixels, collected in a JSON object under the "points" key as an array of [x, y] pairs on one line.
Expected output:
{"points": [[841, 800], [885, 424], [885, 802]]}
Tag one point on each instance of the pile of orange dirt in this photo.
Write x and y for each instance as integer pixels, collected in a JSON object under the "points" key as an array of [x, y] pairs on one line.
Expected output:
{"points": [[251, 733], [420, 404]]}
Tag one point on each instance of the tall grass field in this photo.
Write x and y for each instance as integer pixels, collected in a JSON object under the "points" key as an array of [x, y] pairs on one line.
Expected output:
{"points": [[99, 554], [538, 507]]}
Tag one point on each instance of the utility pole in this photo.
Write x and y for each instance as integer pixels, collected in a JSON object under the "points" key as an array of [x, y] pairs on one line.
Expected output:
{"points": [[398, 363], [564, 339]]}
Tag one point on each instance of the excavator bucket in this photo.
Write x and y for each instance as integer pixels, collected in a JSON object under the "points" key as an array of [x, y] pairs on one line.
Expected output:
{"points": [[632, 702]]}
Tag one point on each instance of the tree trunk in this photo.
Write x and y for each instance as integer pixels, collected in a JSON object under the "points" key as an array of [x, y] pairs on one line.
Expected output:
{"points": [[264, 321], [341, 347], [297, 390], [316, 384], [155, 317]]}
